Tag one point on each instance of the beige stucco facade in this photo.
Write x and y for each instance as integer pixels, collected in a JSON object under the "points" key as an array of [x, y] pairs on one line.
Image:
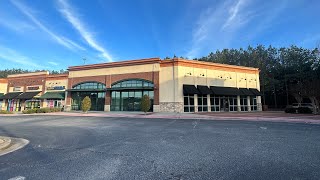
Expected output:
{"points": [[173, 75]]}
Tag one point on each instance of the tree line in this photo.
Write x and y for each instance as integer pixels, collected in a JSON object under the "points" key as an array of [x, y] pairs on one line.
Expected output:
{"points": [[287, 74]]}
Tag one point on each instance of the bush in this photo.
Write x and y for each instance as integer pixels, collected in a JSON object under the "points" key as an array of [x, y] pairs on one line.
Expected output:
{"points": [[290, 110], [29, 111], [304, 110], [145, 103], [86, 104], [5, 112]]}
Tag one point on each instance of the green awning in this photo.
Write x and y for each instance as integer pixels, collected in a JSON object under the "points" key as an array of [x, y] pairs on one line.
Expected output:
{"points": [[1, 94], [52, 95]]}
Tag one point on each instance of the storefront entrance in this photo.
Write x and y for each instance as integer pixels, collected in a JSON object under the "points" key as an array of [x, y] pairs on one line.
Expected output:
{"points": [[97, 100], [127, 95], [94, 90], [129, 100]]}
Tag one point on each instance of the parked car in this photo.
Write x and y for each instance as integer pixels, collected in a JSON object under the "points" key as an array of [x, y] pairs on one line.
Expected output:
{"points": [[304, 108]]}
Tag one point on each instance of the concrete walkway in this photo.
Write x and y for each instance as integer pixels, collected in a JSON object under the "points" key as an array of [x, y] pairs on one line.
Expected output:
{"points": [[4, 142], [9, 144], [271, 116]]}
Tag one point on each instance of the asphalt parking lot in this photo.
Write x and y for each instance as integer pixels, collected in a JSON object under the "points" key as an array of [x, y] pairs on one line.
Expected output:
{"points": [[64, 147]]}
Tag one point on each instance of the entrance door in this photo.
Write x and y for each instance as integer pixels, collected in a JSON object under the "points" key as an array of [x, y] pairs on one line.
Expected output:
{"points": [[224, 104]]}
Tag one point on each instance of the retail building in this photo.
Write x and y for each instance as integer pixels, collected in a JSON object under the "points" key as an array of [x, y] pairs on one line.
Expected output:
{"points": [[173, 85]]}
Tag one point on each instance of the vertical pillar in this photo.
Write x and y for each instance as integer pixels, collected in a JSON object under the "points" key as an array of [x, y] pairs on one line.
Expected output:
{"points": [[248, 102], [68, 101], [107, 102], [208, 102], [195, 102], [259, 104], [238, 103]]}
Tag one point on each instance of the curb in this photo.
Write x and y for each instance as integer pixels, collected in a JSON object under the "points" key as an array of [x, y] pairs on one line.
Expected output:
{"points": [[4, 142]]}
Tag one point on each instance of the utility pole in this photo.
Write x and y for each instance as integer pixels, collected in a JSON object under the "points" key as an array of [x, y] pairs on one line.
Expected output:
{"points": [[84, 60]]}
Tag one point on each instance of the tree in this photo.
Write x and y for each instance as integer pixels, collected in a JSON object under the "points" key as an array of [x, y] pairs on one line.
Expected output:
{"points": [[86, 104], [145, 103]]}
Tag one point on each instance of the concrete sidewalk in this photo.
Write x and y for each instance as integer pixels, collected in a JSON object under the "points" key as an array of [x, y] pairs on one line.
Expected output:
{"points": [[272, 116], [4, 142]]}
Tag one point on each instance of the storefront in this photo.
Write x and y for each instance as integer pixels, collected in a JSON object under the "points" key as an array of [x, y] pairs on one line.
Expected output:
{"points": [[29, 100], [126, 95], [13, 104], [53, 99], [94, 90]]}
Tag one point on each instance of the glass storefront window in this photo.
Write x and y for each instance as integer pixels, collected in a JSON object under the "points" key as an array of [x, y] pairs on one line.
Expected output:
{"points": [[188, 103], [202, 103], [243, 103], [253, 103], [215, 104], [90, 85], [129, 100], [133, 83], [97, 100]]}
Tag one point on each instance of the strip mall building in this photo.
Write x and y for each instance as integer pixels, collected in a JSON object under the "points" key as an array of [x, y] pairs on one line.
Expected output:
{"points": [[174, 85]]}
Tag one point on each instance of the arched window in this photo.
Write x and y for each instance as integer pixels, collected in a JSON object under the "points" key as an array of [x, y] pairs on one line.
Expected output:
{"points": [[138, 83], [90, 85]]}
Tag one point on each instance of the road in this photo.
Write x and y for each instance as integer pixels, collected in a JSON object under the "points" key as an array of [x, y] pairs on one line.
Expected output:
{"points": [[126, 148]]}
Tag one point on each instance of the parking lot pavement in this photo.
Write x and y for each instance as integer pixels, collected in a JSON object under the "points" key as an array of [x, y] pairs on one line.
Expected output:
{"points": [[63, 147]]}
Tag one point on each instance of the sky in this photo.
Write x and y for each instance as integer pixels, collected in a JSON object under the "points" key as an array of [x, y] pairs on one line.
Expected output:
{"points": [[56, 34]]}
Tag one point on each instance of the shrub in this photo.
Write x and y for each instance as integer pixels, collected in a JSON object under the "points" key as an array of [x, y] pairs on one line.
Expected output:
{"points": [[304, 110], [86, 104], [29, 111], [5, 112], [145, 103]]}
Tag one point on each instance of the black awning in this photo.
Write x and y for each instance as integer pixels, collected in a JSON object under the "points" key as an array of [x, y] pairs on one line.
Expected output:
{"points": [[226, 91], [11, 95], [190, 89], [204, 90], [28, 95], [246, 92], [255, 92]]}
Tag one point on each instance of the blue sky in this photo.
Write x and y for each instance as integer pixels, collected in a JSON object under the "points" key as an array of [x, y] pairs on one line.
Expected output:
{"points": [[55, 34]]}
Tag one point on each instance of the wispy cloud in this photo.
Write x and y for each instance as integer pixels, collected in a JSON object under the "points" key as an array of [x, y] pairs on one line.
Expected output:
{"points": [[59, 39], [234, 14], [12, 56], [53, 63], [217, 25], [68, 12], [16, 25]]}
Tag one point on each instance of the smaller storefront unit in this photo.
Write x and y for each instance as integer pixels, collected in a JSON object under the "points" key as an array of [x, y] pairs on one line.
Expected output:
{"points": [[12, 104], [29, 100], [53, 99], [219, 99]]}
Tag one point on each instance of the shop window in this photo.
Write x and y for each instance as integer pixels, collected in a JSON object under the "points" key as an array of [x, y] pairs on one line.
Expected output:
{"points": [[215, 104], [133, 83], [243, 103], [188, 103], [90, 85], [233, 104], [202, 103], [253, 103]]}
